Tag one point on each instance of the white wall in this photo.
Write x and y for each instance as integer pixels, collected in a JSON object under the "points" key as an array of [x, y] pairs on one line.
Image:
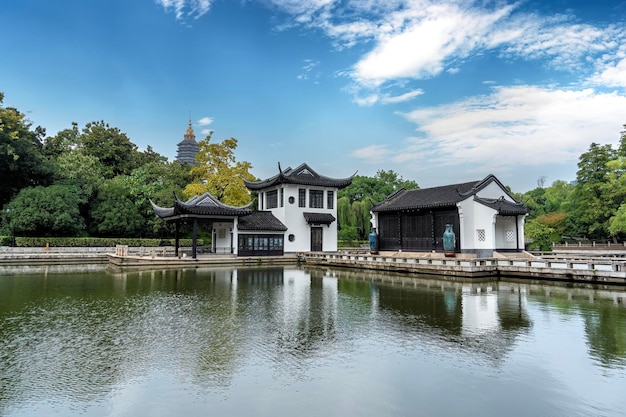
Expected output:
{"points": [[292, 216], [506, 225], [222, 239]]}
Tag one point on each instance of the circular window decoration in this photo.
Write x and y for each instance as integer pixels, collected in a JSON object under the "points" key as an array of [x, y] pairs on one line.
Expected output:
{"points": [[292, 238], [292, 200]]}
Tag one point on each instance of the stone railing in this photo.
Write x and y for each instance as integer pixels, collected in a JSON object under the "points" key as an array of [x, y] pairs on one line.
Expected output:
{"points": [[500, 263]]}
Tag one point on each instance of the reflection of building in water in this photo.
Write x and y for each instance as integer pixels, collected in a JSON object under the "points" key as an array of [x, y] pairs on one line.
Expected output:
{"points": [[308, 314], [471, 316], [480, 312]]}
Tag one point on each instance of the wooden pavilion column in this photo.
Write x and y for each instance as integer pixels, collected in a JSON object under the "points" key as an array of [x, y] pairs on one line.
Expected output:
{"points": [[176, 223], [194, 243]]}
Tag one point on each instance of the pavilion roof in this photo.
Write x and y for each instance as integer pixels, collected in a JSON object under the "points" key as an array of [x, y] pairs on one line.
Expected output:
{"points": [[202, 205], [301, 175]]}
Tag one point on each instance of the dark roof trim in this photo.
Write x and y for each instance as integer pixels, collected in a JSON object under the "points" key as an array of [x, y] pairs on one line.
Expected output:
{"points": [[260, 220], [319, 218], [301, 175], [502, 206]]}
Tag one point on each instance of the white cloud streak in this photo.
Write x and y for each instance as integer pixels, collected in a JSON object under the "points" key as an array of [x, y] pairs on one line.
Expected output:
{"points": [[205, 121], [512, 127], [186, 8]]}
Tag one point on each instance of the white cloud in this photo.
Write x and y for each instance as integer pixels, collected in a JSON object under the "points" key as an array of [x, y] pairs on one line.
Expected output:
{"points": [[186, 8], [205, 121], [402, 97], [418, 39], [372, 154], [206, 131], [367, 101], [613, 72], [307, 67], [422, 47], [514, 127]]}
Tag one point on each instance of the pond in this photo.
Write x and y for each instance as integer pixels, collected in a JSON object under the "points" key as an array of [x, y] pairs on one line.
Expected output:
{"points": [[305, 342]]}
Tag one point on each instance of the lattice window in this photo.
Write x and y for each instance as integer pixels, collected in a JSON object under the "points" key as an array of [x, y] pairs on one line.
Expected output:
{"points": [[482, 236], [510, 236]]}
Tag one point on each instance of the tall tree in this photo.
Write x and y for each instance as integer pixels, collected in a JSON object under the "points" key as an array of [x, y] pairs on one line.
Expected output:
{"points": [[114, 150], [219, 173], [593, 202], [22, 163]]}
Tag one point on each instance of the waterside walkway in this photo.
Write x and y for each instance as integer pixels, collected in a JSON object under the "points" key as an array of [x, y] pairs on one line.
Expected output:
{"points": [[605, 271], [601, 270]]}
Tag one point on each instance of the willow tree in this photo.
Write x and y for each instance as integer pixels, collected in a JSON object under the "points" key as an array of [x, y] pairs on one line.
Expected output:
{"points": [[219, 173]]}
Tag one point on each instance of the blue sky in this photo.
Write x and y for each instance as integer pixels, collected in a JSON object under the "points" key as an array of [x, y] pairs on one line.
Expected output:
{"points": [[440, 91]]}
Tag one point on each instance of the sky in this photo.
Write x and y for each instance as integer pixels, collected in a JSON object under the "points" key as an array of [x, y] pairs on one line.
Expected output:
{"points": [[439, 91]]}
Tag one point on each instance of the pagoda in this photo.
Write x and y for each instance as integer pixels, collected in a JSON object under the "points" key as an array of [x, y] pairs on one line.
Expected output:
{"points": [[188, 148]]}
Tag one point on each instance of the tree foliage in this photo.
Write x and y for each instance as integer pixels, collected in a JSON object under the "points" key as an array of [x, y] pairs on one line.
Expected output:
{"points": [[219, 173], [114, 150], [22, 163], [45, 211], [355, 201], [377, 187], [114, 213]]}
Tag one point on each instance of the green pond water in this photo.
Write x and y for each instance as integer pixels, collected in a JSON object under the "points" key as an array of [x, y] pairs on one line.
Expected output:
{"points": [[82, 341]]}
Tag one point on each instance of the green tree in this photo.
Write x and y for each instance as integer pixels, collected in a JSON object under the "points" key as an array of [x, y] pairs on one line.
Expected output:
{"points": [[114, 150], [593, 201], [541, 236], [114, 213], [377, 188], [22, 163], [344, 213], [63, 142], [219, 173], [84, 171], [45, 211]]}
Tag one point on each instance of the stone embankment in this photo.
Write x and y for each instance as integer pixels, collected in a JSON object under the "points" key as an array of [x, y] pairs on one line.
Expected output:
{"points": [[65, 255], [604, 271]]}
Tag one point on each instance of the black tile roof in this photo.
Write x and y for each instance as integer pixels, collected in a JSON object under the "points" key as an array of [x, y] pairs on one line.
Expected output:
{"points": [[302, 175], [260, 220], [319, 218], [446, 196], [203, 205], [504, 207]]}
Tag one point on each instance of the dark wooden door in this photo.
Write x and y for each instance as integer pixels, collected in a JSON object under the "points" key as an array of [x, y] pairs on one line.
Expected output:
{"points": [[316, 239]]}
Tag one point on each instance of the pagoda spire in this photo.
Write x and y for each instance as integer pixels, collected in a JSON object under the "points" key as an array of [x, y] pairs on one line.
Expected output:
{"points": [[189, 134]]}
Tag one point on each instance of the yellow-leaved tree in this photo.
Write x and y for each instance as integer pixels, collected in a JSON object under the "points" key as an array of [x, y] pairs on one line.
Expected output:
{"points": [[218, 173]]}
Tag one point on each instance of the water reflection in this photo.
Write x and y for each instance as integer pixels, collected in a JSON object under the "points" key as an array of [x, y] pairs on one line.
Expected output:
{"points": [[89, 341]]}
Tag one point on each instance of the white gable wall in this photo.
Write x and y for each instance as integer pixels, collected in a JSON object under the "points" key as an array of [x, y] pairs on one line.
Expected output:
{"points": [[493, 190]]}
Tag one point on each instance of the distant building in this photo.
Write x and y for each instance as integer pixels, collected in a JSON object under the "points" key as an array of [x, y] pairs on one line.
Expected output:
{"points": [[188, 148]]}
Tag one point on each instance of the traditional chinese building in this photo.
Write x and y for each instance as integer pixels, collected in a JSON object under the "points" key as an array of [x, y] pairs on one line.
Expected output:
{"points": [[484, 217], [188, 148], [306, 203], [297, 213]]}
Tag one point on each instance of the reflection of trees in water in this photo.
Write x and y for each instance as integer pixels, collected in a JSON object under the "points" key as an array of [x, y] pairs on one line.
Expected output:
{"points": [[601, 306], [605, 326]]}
